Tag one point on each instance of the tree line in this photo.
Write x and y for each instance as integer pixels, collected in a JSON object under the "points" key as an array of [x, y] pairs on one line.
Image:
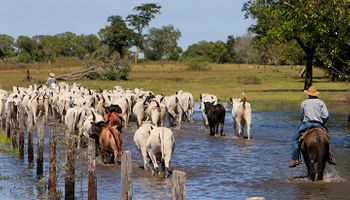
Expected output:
{"points": [[314, 33]]}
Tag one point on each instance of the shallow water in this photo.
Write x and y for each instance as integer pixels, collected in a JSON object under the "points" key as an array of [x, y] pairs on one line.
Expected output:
{"points": [[217, 167]]}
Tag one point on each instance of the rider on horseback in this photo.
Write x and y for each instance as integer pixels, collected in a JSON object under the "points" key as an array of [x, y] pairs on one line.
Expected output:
{"points": [[314, 114]]}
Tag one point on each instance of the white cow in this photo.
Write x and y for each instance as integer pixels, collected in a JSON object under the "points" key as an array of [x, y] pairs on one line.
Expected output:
{"points": [[160, 147], [140, 138], [206, 97], [241, 115], [139, 111], [156, 112], [174, 110], [186, 102]]}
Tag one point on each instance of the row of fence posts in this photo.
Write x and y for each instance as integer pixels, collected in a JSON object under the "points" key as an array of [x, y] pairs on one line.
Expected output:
{"points": [[178, 177]]}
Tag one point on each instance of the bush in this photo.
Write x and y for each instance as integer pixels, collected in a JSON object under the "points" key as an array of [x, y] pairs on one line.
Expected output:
{"points": [[197, 64], [249, 80]]}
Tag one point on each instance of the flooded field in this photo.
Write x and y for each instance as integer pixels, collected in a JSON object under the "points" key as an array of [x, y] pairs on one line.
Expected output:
{"points": [[217, 167]]}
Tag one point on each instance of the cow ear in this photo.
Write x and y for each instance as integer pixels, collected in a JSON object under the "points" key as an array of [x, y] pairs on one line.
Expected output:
{"points": [[230, 99], [200, 96]]}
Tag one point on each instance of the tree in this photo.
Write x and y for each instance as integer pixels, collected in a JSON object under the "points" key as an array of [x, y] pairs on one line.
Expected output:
{"points": [[7, 44], [117, 35], [86, 44], [162, 43], [215, 52], [145, 13], [26, 44], [310, 23]]}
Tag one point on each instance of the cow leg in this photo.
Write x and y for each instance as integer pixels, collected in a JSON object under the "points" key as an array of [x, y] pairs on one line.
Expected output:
{"points": [[103, 153], [166, 162], [212, 132], [239, 128], [154, 161], [78, 140], [144, 157], [248, 130], [172, 117], [222, 129]]}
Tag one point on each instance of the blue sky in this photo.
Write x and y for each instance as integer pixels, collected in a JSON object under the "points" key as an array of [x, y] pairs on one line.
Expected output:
{"points": [[197, 20]]}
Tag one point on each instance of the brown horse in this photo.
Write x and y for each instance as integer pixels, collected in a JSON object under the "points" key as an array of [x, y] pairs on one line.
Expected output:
{"points": [[314, 145], [110, 139]]}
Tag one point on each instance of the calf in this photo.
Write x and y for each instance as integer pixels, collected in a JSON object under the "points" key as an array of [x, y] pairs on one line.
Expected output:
{"points": [[216, 117], [160, 147], [241, 115], [206, 97]]}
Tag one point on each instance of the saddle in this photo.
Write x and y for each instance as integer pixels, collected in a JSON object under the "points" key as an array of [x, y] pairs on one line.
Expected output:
{"points": [[323, 130]]}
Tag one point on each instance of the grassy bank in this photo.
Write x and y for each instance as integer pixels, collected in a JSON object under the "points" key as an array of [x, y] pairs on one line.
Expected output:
{"points": [[5, 145], [267, 87]]}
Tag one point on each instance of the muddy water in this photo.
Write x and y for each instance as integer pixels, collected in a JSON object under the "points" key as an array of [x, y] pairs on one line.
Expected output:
{"points": [[217, 167]]}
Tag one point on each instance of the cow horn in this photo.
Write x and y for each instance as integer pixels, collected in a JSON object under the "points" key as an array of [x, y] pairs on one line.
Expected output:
{"points": [[93, 117]]}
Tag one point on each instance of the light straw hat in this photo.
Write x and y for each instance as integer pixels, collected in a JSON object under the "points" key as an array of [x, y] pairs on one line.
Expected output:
{"points": [[51, 74], [312, 91]]}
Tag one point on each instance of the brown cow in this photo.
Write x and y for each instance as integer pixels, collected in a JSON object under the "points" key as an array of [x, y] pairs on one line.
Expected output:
{"points": [[110, 139]]}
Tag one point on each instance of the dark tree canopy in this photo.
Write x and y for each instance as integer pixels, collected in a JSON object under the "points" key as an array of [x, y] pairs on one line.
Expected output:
{"points": [[162, 43], [117, 35], [310, 23]]}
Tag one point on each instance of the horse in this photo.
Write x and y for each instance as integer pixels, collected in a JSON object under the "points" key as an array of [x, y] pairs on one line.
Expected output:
{"points": [[314, 146]]}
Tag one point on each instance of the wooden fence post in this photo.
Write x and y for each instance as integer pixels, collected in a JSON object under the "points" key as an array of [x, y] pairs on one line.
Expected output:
{"points": [[30, 147], [8, 127], [178, 190], [40, 151], [92, 187], [52, 182], [126, 170], [21, 135], [69, 185]]}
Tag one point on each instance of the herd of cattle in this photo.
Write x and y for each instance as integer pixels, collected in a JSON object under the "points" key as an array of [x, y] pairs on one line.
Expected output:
{"points": [[101, 115]]}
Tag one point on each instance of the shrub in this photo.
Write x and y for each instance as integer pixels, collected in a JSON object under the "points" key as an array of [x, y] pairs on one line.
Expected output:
{"points": [[197, 64], [249, 80]]}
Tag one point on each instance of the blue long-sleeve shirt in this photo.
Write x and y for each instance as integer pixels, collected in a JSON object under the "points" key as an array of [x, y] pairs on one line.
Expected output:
{"points": [[314, 109]]}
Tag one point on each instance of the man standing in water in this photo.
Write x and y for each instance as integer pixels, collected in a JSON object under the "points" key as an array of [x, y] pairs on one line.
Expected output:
{"points": [[50, 80], [314, 113]]}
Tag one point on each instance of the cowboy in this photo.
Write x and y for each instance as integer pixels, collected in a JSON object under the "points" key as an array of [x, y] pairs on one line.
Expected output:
{"points": [[314, 113], [50, 80]]}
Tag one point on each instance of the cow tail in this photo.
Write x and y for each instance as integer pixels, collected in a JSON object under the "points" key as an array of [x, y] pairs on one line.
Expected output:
{"points": [[182, 108], [115, 137], [244, 99], [162, 142]]}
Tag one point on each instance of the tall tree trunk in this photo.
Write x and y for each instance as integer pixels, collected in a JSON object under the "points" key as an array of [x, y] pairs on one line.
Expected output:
{"points": [[310, 53], [136, 56]]}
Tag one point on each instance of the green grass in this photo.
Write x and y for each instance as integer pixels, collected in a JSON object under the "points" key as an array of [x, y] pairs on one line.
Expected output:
{"points": [[5, 145], [267, 87], [3, 138]]}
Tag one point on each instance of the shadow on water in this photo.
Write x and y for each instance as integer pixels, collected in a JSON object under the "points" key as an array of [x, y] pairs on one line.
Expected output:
{"points": [[217, 167]]}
